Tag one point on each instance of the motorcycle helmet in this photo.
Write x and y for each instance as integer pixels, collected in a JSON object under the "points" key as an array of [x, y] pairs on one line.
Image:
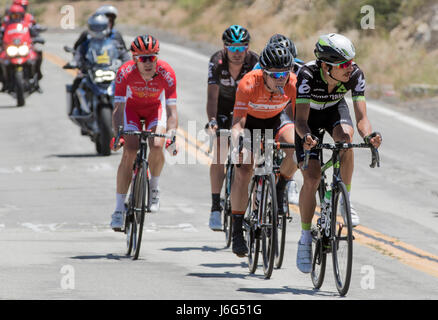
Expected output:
{"points": [[16, 13], [110, 11], [98, 26], [23, 3]]}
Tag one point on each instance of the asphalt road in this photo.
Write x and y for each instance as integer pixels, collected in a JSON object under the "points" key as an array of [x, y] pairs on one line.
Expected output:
{"points": [[57, 196]]}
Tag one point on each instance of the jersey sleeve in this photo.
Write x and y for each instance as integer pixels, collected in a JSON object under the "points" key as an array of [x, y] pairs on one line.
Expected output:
{"points": [[303, 86], [171, 87], [243, 95], [358, 86]]}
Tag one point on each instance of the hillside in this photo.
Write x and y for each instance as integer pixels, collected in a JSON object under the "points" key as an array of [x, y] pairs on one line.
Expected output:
{"points": [[398, 57]]}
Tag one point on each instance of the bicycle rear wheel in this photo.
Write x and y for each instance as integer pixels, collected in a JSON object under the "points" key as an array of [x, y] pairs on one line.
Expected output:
{"points": [[269, 225], [140, 203], [227, 223], [251, 230], [281, 227], [342, 243]]}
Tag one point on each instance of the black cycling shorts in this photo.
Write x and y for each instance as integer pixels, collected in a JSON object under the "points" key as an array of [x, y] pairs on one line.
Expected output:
{"points": [[224, 115], [256, 126], [326, 119]]}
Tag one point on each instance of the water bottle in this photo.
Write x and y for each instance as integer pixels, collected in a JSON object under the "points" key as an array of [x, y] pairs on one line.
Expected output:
{"points": [[325, 212]]}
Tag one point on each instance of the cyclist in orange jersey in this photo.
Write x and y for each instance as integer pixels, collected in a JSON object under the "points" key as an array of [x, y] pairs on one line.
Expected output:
{"points": [[261, 99]]}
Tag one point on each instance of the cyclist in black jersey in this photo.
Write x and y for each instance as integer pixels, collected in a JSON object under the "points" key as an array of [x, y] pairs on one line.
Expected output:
{"points": [[320, 104], [226, 68]]}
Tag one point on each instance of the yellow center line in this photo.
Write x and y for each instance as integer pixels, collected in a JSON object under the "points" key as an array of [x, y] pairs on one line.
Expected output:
{"points": [[386, 245], [392, 247]]}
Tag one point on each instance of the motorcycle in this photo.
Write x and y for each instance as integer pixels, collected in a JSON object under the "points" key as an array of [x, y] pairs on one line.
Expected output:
{"points": [[18, 61], [90, 106]]}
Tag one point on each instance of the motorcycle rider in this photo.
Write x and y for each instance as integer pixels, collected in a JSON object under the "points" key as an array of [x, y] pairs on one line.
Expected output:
{"points": [[111, 13], [98, 27], [15, 14]]}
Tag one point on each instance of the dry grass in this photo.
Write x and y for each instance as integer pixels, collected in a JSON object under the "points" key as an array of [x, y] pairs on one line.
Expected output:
{"points": [[385, 65]]}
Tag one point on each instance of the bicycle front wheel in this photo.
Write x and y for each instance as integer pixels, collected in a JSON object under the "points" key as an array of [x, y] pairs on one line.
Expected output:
{"points": [[228, 225], [281, 227], [269, 225], [251, 230], [140, 203], [342, 242]]}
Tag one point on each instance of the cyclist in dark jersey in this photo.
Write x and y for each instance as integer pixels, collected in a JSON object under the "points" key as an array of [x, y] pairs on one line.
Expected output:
{"points": [[226, 68], [321, 87]]}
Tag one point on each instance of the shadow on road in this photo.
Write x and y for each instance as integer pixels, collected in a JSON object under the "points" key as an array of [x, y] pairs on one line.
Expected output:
{"points": [[286, 289], [204, 249], [77, 155], [107, 257], [10, 107], [225, 274]]}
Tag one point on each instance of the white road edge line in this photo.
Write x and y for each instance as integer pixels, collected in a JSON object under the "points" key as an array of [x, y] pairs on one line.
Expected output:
{"points": [[403, 118]]}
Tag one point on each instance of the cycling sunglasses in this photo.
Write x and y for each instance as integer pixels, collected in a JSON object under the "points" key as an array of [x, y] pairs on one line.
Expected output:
{"points": [[277, 75], [343, 65], [237, 48], [144, 59]]}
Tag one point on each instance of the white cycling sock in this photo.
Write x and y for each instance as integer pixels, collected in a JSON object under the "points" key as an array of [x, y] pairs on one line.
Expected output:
{"points": [[306, 237], [120, 201], [153, 183]]}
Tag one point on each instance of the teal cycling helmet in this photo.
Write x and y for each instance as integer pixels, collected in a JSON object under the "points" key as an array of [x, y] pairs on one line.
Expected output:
{"points": [[236, 34]]}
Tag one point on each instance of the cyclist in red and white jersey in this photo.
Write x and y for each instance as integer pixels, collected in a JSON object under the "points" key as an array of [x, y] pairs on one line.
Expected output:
{"points": [[145, 89]]}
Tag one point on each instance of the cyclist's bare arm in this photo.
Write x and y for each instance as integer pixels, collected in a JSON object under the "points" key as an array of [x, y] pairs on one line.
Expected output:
{"points": [[302, 111], [212, 101], [118, 115], [288, 110], [172, 119], [363, 123]]}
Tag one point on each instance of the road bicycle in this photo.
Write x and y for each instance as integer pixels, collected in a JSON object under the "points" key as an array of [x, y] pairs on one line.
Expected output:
{"points": [[138, 200], [226, 191], [261, 216], [333, 232]]}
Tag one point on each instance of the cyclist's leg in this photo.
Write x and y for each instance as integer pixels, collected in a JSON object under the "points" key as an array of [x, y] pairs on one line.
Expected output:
{"points": [[130, 148], [342, 130], [284, 132], [239, 201], [124, 171], [220, 152], [239, 196], [307, 204]]}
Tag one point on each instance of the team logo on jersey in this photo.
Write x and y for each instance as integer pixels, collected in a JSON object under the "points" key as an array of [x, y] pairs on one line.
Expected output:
{"points": [[166, 75], [341, 89], [360, 84], [304, 87]]}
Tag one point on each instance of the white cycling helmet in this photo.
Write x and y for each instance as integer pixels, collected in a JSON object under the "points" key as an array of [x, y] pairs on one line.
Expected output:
{"points": [[334, 48]]}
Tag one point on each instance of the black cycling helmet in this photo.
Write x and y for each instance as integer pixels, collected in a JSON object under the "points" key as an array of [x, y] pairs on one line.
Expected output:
{"points": [[274, 55], [236, 34], [98, 26], [281, 39]]}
